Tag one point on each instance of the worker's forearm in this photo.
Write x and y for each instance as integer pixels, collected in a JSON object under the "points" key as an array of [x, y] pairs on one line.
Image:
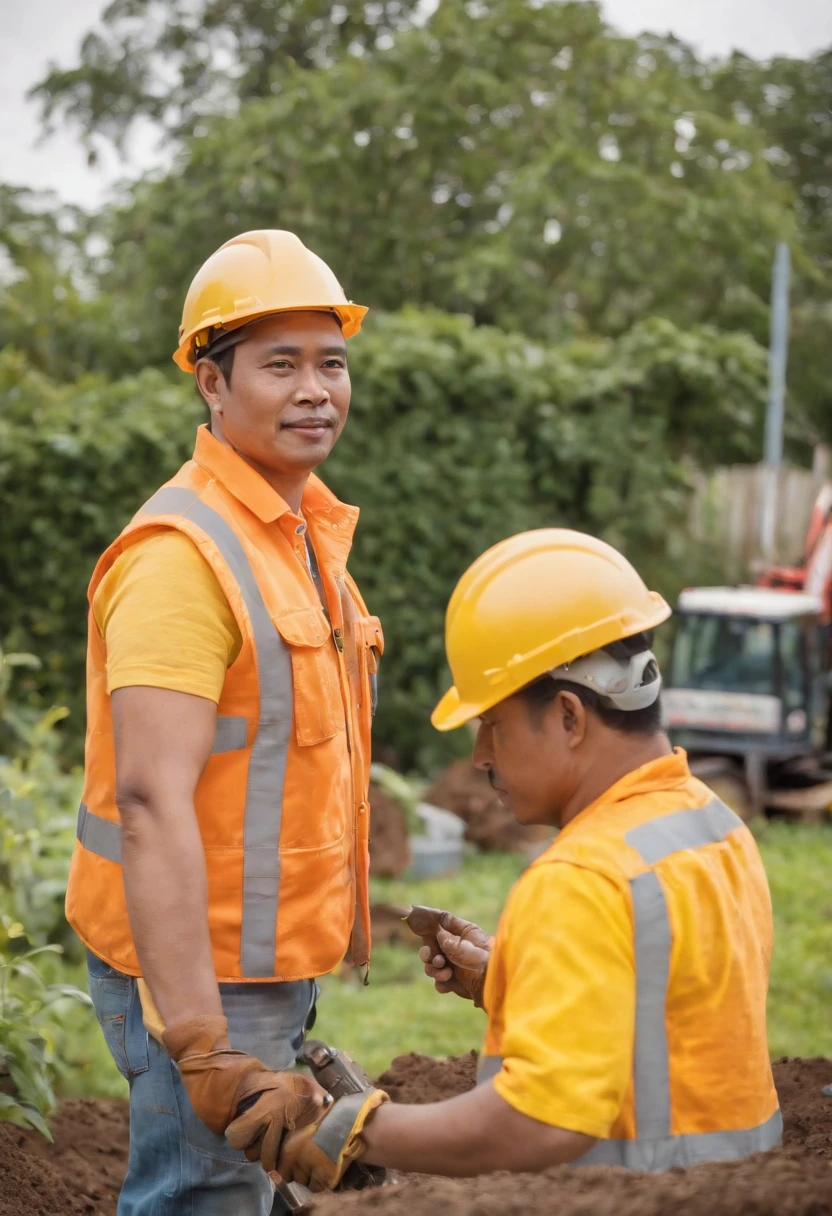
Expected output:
{"points": [[476, 1133], [166, 889], [418, 1140]]}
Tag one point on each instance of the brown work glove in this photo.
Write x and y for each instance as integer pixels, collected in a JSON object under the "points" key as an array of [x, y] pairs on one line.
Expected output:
{"points": [[318, 1156], [218, 1079], [456, 952]]}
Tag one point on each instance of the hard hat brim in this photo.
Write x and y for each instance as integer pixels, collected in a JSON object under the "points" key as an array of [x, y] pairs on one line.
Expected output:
{"points": [[350, 316], [452, 712]]}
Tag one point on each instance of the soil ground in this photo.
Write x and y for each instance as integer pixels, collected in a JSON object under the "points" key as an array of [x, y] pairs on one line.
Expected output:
{"points": [[80, 1173], [389, 848], [466, 792]]}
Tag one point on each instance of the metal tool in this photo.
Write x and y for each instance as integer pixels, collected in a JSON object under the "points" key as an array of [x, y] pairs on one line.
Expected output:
{"points": [[291, 1197], [339, 1075]]}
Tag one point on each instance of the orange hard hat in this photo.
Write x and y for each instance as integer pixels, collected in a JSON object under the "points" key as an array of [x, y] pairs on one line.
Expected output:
{"points": [[255, 274], [530, 604]]}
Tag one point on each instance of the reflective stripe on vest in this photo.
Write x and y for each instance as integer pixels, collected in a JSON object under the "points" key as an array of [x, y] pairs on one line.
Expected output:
{"points": [[98, 835], [654, 1148], [267, 762]]}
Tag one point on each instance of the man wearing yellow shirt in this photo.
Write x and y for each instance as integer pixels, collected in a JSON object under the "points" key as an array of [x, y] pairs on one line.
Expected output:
{"points": [[625, 991], [222, 862]]}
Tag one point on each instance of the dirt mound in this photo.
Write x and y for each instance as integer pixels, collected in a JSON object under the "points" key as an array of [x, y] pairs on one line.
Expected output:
{"points": [[80, 1174], [770, 1185], [807, 1115], [30, 1186], [89, 1152], [420, 1079], [388, 926], [465, 791], [389, 849]]}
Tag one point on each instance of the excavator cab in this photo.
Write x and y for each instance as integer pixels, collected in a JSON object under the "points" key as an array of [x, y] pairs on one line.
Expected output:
{"points": [[747, 689]]}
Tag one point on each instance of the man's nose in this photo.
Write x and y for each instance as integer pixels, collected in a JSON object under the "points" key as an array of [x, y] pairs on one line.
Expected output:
{"points": [[311, 390]]}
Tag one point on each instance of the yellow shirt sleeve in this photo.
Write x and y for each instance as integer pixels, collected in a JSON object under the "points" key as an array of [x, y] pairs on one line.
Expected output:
{"points": [[569, 999], [165, 619]]}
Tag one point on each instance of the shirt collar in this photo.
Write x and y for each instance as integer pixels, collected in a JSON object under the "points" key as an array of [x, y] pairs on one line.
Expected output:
{"points": [[254, 492], [667, 773], [662, 774]]}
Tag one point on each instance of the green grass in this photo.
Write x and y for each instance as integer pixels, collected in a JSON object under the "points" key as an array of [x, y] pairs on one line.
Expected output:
{"points": [[400, 1011], [799, 865]]}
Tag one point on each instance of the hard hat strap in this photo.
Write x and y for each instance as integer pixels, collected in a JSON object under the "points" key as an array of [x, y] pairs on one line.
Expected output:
{"points": [[627, 684], [220, 340]]}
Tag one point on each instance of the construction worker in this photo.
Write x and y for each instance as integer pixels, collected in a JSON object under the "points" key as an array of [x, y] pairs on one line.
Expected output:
{"points": [[626, 988], [221, 862]]}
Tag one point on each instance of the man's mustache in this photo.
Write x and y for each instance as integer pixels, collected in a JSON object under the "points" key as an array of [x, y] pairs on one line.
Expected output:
{"points": [[494, 780]]}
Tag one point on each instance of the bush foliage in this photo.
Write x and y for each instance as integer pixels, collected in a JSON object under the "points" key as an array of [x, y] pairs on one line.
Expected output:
{"points": [[37, 803], [459, 436]]}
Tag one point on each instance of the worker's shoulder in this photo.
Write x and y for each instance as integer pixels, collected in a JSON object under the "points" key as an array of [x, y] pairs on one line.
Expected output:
{"points": [[166, 554], [161, 547], [554, 888], [164, 564], [606, 838]]}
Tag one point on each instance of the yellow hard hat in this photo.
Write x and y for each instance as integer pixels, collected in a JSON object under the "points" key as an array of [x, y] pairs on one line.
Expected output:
{"points": [[531, 603], [255, 274]]}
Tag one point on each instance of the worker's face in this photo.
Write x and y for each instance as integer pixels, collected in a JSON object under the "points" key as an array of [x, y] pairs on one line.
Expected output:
{"points": [[289, 394], [534, 757]]}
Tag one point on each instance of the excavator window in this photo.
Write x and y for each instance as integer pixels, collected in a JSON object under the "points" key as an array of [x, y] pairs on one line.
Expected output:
{"points": [[725, 653], [793, 663]]}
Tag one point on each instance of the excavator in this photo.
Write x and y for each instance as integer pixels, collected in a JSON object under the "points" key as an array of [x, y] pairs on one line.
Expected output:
{"points": [[748, 692]]}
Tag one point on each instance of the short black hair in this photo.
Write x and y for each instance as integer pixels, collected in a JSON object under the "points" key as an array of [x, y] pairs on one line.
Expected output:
{"points": [[225, 362], [647, 721]]}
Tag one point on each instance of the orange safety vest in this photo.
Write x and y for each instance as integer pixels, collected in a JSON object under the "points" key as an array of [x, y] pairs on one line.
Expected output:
{"points": [[696, 900], [282, 803]]}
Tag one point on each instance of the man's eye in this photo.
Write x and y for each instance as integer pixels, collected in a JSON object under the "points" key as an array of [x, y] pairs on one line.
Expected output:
{"points": [[334, 363], [280, 363]]}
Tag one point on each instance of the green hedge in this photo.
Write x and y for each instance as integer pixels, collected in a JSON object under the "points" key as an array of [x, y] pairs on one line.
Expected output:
{"points": [[459, 436]]}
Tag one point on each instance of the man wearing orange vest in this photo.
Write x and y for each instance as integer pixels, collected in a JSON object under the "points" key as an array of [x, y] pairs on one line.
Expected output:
{"points": [[626, 988], [222, 862]]}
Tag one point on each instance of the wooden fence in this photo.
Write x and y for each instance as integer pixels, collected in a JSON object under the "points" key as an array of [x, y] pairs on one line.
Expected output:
{"points": [[728, 503]]}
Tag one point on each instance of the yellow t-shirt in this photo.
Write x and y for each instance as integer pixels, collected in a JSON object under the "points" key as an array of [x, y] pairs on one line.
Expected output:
{"points": [[567, 1040], [165, 619]]}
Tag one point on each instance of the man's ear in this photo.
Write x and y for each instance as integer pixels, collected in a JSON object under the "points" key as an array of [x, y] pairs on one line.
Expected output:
{"points": [[210, 382], [572, 716]]}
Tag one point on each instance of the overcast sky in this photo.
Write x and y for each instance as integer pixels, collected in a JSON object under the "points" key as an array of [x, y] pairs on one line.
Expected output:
{"points": [[36, 31]]}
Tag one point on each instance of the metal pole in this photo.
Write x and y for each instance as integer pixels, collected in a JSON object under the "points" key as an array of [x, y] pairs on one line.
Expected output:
{"points": [[777, 359]]}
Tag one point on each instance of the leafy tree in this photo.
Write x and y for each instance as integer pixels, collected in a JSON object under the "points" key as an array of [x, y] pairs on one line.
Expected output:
{"points": [[173, 61], [789, 100], [49, 307], [580, 183]]}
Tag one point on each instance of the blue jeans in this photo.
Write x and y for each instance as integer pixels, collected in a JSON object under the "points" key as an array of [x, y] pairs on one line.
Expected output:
{"points": [[177, 1166]]}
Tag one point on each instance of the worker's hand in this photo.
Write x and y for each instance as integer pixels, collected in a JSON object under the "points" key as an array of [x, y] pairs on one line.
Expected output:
{"points": [[461, 963], [218, 1080], [318, 1156]]}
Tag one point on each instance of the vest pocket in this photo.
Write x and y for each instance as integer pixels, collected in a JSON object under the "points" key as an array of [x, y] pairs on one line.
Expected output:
{"points": [[370, 645], [318, 708]]}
